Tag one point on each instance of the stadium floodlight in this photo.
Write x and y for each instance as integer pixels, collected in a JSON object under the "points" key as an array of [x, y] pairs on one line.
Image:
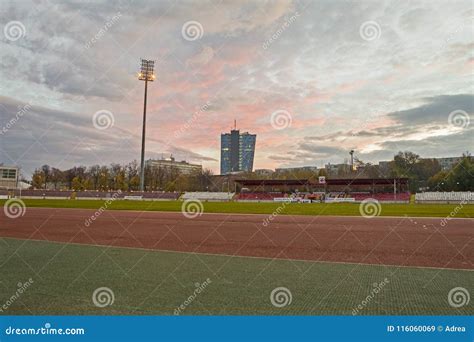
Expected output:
{"points": [[352, 160], [146, 74], [146, 71]]}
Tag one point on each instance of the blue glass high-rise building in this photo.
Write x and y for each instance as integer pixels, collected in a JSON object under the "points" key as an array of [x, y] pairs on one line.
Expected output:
{"points": [[237, 151]]}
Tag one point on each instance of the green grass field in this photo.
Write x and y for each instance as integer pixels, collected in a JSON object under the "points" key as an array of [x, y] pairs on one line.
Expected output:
{"points": [[413, 210], [153, 282]]}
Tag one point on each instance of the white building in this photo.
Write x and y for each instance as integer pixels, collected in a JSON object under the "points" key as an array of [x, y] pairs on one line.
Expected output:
{"points": [[9, 177], [182, 166], [448, 163]]}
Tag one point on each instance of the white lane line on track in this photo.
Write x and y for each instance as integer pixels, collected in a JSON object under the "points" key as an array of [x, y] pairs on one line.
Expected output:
{"points": [[243, 256], [266, 215]]}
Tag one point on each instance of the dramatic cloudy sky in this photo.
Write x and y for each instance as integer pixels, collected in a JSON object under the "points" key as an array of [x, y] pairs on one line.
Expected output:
{"points": [[313, 79]]}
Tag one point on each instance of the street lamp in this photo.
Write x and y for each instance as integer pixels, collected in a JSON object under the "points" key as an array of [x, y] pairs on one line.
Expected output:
{"points": [[146, 74]]}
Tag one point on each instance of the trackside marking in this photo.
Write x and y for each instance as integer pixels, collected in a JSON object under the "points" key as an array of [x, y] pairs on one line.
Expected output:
{"points": [[237, 256], [266, 214]]}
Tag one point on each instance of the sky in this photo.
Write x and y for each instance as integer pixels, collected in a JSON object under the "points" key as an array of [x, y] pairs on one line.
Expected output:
{"points": [[313, 79]]}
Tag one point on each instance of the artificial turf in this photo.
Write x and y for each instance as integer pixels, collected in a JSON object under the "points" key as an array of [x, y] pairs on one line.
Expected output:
{"points": [[154, 282], [412, 210]]}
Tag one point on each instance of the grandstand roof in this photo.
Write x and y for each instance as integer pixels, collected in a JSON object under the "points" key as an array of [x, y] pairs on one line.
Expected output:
{"points": [[329, 181], [262, 182]]}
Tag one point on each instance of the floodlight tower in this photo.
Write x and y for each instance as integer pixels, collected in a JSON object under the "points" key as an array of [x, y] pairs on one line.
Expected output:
{"points": [[146, 74], [352, 160]]}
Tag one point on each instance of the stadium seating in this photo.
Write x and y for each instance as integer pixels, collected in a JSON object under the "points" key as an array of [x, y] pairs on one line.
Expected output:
{"points": [[208, 196], [258, 196], [382, 197], [144, 194], [358, 196], [92, 194], [43, 193], [160, 195], [441, 197]]}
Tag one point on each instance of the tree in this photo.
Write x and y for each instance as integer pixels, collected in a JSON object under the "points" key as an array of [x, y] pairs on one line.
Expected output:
{"points": [[423, 170], [77, 184], [403, 164], [322, 173], [116, 175], [418, 170], [46, 171], [104, 178], [134, 183], [37, 180], [87, 184], [459, 178], [426, 168], [56, 177], [69, 176], [94, 174], [132, 175], [439, 182]]}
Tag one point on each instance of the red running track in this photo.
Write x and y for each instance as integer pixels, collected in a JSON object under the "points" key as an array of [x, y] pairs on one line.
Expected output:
{"points": [[388, 241]]}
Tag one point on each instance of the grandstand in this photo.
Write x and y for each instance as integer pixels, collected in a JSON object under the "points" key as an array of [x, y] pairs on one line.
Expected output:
{"points": [[445, 197], [393, 190], [300, 190], [258, 196]]}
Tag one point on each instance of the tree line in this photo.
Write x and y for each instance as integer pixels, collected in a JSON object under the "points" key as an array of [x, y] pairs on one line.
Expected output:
{"points": [[424, 174], [427, 174], [119, 177]]}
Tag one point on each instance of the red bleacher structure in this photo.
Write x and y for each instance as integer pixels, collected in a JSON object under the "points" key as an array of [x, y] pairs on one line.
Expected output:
{"points": [[357, 190], [258, 196], [381, 189]]}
